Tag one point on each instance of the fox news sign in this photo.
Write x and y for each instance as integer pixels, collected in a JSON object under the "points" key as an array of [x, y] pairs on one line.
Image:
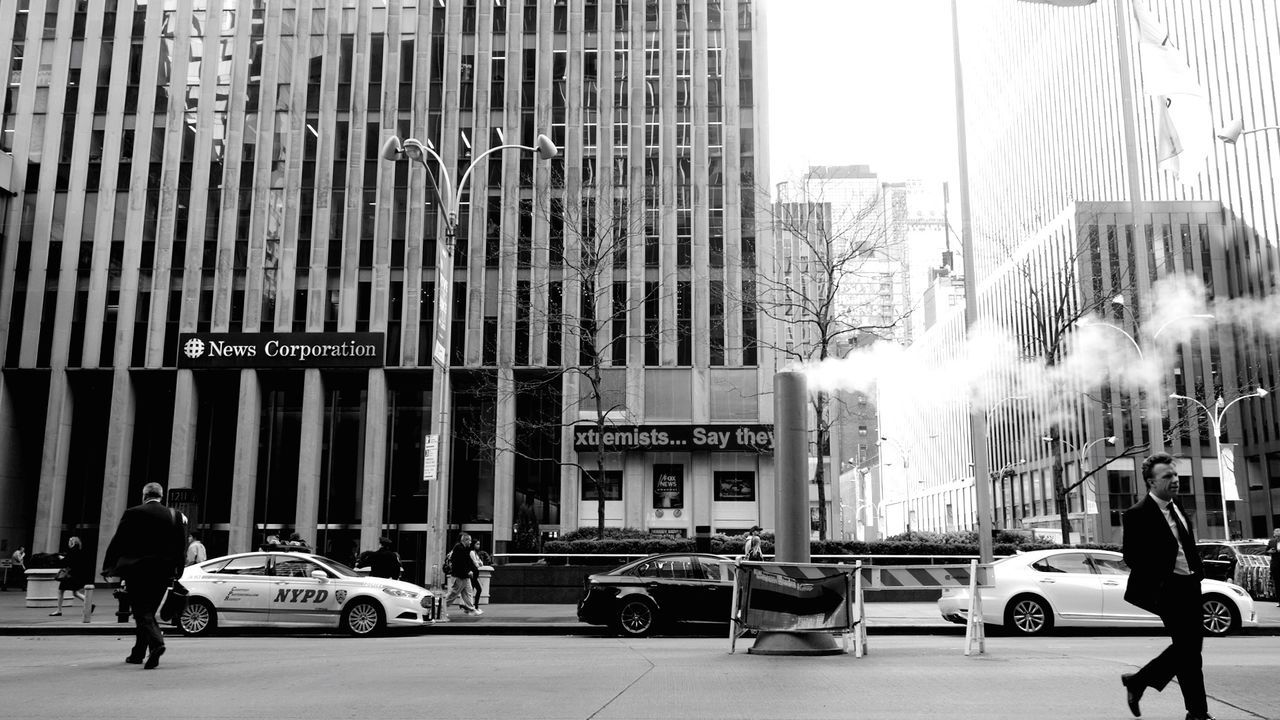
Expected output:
{"points": [[280, 350]]}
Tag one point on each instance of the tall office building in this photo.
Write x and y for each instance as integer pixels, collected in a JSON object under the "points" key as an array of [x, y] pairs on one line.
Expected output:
{"points": [[213, 281], [1064, 153]]}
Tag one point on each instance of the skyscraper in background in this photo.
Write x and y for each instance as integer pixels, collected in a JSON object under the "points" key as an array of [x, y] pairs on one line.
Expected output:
{"points": [[1064, 151]]}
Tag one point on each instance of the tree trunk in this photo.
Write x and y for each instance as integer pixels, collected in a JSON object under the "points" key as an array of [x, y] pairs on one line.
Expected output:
{"points": [[1059, 489], [819, 403]]}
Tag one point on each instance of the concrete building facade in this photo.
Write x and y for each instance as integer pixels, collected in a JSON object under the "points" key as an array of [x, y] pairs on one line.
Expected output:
{"points": [[196, 177]]}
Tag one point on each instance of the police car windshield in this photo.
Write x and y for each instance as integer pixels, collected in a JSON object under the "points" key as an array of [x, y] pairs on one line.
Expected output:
{"points": [[341, 569]]}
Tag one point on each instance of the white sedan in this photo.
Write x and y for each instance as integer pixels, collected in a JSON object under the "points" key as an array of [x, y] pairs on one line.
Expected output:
{"points": [[290, 589], [1037, 590]]}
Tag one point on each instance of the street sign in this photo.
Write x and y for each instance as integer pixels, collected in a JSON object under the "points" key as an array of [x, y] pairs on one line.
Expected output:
{"points": [[430, 451]]}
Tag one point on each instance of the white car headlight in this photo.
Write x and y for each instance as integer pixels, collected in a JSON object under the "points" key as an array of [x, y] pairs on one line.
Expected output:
{"points": [[397, 592]]}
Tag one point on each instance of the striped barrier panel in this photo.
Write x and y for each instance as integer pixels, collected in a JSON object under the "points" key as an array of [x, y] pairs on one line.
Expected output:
{"points": [[925, 576], [972, 576]]}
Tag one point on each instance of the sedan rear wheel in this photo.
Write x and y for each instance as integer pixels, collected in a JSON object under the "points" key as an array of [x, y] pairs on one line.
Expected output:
{"points": [[1028, 615], [362, 618], [636, 617], [198, 618], [1220, 615]]}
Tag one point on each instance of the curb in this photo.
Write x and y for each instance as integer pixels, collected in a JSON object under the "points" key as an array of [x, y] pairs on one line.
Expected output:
{"points": [[562, 629]]}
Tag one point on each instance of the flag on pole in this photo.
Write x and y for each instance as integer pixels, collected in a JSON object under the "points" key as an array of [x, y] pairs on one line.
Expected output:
{"points": [[1227, 472], [1184, 130]]}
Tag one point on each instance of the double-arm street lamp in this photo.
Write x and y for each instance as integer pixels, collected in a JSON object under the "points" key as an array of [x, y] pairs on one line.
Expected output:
{"points": [[1215, 416], [1234, 130], [906, 473], [1155, 409], [449, 196]]}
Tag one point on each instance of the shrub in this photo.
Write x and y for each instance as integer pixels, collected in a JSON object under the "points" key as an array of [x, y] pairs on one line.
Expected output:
{"points": [[610, 533]]}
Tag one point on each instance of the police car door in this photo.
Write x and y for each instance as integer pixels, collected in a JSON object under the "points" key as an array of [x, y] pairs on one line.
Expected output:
{"points": [[298, 598], [240, 590]]}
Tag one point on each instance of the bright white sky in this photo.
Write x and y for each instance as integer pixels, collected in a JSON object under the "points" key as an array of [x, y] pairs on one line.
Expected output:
{"points": [[866, 82]]}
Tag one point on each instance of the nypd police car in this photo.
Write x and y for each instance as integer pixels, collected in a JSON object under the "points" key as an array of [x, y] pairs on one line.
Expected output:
{"points": [[293, 589]]}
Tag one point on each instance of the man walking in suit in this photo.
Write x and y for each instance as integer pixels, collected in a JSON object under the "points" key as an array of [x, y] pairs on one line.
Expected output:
{"points": [[147, 551], [1164, 579]]}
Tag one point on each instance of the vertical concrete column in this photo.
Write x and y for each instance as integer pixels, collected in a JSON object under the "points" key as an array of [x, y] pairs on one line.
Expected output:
{"points": [[636, 503], [375, 459], [310, 446], [115, 474], [53, 465], [182, 442], [244, 483], [698, 490], [791, 457], [13, 526], [504, 461]]}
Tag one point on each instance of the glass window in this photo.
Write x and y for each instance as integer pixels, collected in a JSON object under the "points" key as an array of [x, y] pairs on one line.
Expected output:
{"points": [[713, 570], [1109, 565], [296, 567], [1069, 563], [676, 568], [610, 487], [247, 565]]}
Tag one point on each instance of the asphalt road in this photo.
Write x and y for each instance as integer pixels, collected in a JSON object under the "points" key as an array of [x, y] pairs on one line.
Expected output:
{"points": [[420, 676]]}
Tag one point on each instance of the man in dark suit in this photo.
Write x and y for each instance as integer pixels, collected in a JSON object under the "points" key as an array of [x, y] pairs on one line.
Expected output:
{"points": [[1164, 579], [147, 551]]}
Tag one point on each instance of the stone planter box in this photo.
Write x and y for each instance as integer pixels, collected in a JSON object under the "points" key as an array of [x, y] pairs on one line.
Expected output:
{"points": [[486, 576], [42, 588]]}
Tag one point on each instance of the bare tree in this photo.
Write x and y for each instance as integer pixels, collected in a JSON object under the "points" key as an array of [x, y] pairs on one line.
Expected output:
{"points": [[593, 315], [825, 291], [1057, 286]]}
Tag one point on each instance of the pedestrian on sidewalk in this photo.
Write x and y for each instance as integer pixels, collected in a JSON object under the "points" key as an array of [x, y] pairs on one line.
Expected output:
{"points": [[461, 568], [18, 572], [196, 552], [1273, 549], [147, 552], [753, 548], [385, 562], [74, 575], [475, 577], [1164, 579]]}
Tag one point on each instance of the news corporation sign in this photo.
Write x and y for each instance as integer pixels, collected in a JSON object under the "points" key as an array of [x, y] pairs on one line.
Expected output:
{"points": [[280, 350]]}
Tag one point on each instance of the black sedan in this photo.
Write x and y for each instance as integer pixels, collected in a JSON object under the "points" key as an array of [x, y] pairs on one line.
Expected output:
{"points": [[644, 595]]}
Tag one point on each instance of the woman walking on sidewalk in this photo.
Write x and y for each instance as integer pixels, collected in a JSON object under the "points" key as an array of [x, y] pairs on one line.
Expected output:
{"points": [[74, 575]]}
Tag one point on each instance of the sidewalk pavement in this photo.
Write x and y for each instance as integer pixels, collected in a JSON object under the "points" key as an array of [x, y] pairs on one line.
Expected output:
{"points": [[898, 618]]}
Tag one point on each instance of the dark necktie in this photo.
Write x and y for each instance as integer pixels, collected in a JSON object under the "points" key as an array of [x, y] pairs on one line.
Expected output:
{"points": [[1184, 539]]}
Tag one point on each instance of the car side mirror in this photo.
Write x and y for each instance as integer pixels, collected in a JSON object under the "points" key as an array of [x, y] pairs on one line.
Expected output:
{"points": [[319, 575]]}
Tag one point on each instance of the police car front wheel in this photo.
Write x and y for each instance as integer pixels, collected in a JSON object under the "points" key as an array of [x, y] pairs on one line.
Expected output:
{"points": [[363, 618]]}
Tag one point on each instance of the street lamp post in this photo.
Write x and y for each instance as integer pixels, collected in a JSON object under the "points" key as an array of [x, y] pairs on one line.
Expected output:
{"points": [[906, 473], [997, 476], [1215, 421], [1234, 130], [450, 197], [1157, 439]]}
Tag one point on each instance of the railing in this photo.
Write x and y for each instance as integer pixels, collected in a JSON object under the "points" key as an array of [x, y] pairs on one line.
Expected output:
{"points": [[606, 558]]}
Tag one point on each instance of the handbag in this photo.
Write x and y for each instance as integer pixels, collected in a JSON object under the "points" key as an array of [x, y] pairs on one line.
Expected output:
{"points": [[63, 574], [173, 602]]}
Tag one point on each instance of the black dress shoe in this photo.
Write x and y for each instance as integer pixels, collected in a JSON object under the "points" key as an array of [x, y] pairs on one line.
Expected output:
{"points": [[154, 659], [1205, 716], [1132, 694], [134, 658]]}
